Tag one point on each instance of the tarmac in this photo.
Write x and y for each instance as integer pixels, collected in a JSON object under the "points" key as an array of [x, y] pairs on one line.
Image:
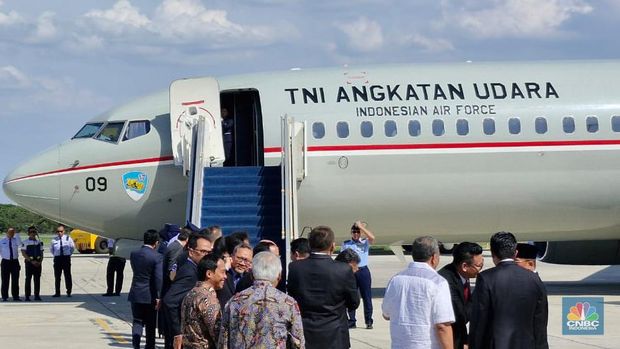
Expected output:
{"points": [[88, 320]]}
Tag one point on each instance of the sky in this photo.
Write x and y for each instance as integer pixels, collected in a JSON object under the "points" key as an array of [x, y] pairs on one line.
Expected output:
{"points": [[64, 62]]}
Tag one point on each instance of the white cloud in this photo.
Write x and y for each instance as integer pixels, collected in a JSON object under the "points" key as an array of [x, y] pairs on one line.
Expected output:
{"points": [[123, 17], [13, 78], [10, 18], [428, 44], [45, 30], [363, 34], [513, 18]]}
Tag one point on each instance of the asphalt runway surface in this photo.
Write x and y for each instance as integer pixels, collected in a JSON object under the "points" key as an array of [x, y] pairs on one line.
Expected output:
{"points": [[88, 320]]}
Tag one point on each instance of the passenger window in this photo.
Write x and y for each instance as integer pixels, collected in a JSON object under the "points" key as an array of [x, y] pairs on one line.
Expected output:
{"points": [[592, 124], [462, 127], [88, 130], [541, 125], [342, 129], [366, 129], [488, 126], [136, 129], [318, 130], [111, 132], [615, 123], [414, 128], [568, 123], [438, 127], [514, 126], [390, 128]]}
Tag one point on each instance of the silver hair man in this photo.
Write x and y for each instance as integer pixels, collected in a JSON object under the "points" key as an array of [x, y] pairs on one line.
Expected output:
{"points": [[423, 248], [266, 266]]}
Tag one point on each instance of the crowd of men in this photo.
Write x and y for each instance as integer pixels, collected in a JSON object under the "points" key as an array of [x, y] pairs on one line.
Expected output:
{"points": [[212, 291], [31, 250], [204, 290], [507, 309]]}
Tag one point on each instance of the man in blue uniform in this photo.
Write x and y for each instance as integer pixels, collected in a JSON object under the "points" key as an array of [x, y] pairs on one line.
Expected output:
{"points": [[62, 248], [9, 251], [361, 239]]}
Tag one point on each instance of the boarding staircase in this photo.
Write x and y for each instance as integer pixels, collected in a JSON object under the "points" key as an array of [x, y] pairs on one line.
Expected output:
{"points": [[243, 199]]}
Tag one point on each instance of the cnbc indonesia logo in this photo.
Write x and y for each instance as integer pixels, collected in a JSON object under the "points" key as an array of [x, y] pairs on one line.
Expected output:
{"points": [[582, 317]]}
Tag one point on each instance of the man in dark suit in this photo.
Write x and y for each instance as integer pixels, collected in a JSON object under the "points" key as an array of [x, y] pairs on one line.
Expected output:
{"points": [[325, 290], [509, 305], [185, 279], [466, 264], [241, 264], [145, 286]]}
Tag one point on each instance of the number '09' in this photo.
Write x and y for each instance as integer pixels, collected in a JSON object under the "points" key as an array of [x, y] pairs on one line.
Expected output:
{"points": [[93, 184]]}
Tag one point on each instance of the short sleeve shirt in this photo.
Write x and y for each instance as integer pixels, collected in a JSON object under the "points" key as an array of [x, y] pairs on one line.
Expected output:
{"points": [[361, 247], [417, 299]]}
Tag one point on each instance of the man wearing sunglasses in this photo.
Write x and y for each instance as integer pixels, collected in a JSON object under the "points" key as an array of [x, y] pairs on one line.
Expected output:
{"points": [[466, 264], [62, 247]]}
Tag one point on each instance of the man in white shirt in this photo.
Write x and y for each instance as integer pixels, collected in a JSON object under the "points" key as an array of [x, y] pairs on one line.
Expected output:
{"points": [[9, 251], [62, 248], [417, 302]]}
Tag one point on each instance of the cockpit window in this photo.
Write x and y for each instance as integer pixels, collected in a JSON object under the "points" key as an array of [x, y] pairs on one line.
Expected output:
{"points": [[111, 132], [88, 130], [136, 129]]}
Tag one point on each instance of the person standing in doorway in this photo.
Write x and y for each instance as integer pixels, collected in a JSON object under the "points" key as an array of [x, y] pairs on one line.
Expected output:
{"points": [[228, 130], [32, 250], [62, 248], [361, 239]]}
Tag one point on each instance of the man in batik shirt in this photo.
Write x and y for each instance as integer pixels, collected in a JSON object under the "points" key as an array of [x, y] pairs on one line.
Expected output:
{"points": [[262, 316], [200, 311]]}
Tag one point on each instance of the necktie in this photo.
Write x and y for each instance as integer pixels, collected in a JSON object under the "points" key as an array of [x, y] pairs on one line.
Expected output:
{"points": [[466, 291], [62, 253], [11, 247]]}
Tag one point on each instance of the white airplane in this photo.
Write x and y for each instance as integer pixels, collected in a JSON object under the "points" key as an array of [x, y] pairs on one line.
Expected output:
{"points": [[457, 151]]}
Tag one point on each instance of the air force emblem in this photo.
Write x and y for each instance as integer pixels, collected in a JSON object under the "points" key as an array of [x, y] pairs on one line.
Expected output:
{"points": [[135, 184]]}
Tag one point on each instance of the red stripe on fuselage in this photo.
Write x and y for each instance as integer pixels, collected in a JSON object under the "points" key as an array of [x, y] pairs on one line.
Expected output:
{"points": [[365, 147], [361, 147], [108, 164]]}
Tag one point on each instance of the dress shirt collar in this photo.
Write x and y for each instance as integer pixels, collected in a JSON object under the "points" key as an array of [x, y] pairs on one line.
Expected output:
{"points": [[507, 260], [463, 280], [206, 285], [424, 265], [320, 253]]}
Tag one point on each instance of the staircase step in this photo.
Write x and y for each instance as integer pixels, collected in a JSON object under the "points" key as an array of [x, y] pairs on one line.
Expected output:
{"points": [[244, 171], [229, 210], [227, 200], [240, 190], [245, 220], [231, 181]]}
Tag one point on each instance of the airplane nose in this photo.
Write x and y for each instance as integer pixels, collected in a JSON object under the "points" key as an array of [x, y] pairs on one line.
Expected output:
{"points": [[35, 185]]}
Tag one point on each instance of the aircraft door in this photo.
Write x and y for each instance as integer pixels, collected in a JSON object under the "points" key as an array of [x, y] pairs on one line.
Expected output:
{"points": [[195, 102], [294, 170]]}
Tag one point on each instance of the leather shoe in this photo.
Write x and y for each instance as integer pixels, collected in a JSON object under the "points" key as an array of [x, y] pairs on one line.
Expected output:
{"points": [[352, 326], [369, 326], [37, 298], [56, 295], [107, 295]]}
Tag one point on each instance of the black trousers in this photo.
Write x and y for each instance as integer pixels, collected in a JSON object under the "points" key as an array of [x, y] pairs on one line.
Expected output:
{"points": [[9, 270], [62, 264], [33, 272], [144, 317], [364, 282], [115, 265]]}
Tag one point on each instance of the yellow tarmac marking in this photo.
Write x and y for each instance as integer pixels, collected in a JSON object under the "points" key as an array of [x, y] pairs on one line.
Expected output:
{"points": [[104, 325]]}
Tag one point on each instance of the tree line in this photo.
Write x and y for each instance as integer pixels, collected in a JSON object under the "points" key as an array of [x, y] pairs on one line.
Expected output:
{"points": [[20, 219]]}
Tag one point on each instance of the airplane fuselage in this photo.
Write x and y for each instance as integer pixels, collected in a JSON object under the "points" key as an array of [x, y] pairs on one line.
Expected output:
{"points": [[455, 151]]}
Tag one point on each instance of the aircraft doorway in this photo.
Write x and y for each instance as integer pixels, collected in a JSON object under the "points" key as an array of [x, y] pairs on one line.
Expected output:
{"points": [[243, 137]]}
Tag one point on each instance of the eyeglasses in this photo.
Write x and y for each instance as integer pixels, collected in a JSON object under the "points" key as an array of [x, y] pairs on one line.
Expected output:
{"points": [[243, 260], [477, 266], [60, 231], [201, 251]]}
